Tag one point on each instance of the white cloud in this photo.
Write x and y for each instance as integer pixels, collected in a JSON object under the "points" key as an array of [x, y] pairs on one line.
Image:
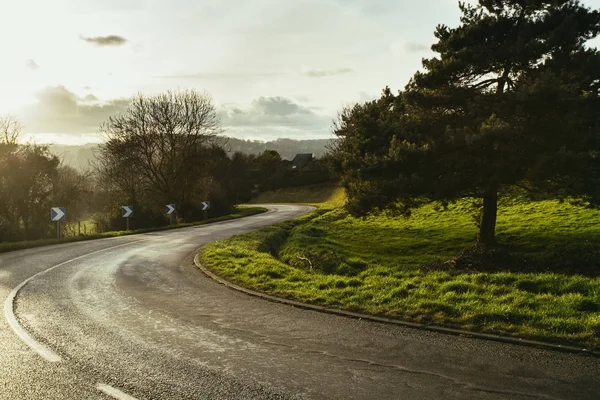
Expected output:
{"points": [[109, 40], [321, 73], [274, 117], [31, 64], [59, 114], [58, 110]]}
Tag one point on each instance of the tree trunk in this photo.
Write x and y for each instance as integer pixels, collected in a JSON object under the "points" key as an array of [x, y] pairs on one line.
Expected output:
{"points": [[487, 229]]}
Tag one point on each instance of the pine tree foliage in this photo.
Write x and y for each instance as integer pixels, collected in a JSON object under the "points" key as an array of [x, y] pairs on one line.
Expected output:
{"points": [[511, 99]]}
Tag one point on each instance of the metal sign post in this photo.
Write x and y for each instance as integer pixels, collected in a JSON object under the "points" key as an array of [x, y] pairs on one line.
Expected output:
{"points": [[127, 212], [171, 213], [205, 208], [57, 214]]}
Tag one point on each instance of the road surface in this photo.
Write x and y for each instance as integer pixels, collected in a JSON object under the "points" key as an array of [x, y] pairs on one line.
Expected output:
{"points": [[132, 318]]}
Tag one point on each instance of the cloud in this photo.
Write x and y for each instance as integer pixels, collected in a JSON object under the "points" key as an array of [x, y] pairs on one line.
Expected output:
{"points": [[31, 64], [273, 117], [222, 75], [364, 97], [59, 110], [278, 107], [404, 49], [90, 98], [110, 40], [414, 47], [326, 72]]}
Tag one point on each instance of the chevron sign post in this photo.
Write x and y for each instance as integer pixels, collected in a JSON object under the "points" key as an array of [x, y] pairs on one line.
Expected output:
{"points": [[205, 208], [127, 212], [57, 214], [171, 213]]}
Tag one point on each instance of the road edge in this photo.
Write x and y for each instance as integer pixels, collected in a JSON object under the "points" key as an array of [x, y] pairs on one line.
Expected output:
{"points": [[10, 303], [384, 320]]}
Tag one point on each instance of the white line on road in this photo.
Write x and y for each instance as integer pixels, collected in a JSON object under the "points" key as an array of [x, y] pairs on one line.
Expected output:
{"points": [[9, 313], [113, 392]]}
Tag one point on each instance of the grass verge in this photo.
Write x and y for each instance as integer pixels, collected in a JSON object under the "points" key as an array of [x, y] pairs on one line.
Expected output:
{"points": [[326, 194], [240, 212], [542, 284]]}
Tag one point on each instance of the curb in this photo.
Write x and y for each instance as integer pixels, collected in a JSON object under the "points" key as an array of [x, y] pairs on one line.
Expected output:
{"points": [[414, 325]]}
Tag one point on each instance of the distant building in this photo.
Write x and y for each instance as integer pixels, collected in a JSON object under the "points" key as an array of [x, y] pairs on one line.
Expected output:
{"points": [[302, 160]]}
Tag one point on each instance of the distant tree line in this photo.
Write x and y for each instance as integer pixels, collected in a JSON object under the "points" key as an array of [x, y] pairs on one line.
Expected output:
{"points": [[286, 148], [511, 101], [80, 156], [269, 171]]}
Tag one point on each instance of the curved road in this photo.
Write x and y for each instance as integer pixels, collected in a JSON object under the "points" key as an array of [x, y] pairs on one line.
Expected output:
{"points": [[132, 318]]}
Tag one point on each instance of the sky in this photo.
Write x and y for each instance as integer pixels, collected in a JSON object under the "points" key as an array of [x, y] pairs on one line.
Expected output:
{"points": [[274, 68]]}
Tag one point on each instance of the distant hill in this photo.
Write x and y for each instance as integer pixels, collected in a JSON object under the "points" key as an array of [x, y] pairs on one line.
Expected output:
{"points": [[287, 148], [79, 157]]}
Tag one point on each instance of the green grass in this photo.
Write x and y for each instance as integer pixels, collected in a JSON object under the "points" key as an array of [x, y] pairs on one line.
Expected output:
{"points": [[12, 246], [542, 284], [87, 227], [326, 194]]}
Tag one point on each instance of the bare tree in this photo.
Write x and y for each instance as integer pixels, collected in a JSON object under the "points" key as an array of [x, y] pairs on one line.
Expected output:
{"points": [[71, 189], [10, 130], [158, 143]]}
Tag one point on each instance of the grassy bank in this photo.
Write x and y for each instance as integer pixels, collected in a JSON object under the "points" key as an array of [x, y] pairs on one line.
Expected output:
{"points": [[542, 284], [12, 246], [325, 194]]}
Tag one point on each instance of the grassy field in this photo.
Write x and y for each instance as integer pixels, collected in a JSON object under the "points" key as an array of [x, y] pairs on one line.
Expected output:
{"points": [[323, 194], [543, 283], [12, 246]]}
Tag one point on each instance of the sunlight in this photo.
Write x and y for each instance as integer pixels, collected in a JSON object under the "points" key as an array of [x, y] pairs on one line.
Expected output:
{"points": [[17, 86], [61, 138]]}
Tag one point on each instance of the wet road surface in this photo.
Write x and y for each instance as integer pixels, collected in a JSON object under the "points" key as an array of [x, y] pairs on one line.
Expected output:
{"points": [[133, 318]]}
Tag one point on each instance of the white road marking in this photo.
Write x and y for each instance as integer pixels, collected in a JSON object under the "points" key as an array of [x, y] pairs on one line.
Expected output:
{"points": [[9, 313], [113, 392]]}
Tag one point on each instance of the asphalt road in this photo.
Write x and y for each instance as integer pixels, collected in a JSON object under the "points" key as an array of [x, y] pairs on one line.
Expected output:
{"points": [[133, 317]]}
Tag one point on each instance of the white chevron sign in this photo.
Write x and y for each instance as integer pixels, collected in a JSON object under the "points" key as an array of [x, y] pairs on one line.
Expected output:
{"points": [[126, 211], [57, 213]]}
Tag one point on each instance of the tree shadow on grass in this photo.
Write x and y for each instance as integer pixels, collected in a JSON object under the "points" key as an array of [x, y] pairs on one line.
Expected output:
{"points": [[565, 255]]}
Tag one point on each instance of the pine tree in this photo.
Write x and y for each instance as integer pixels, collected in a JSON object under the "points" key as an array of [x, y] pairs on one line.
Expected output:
{"points": [[512, 99]]}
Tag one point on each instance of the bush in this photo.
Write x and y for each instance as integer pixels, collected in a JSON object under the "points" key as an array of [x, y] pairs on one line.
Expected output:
{"points": [[142, 218]]}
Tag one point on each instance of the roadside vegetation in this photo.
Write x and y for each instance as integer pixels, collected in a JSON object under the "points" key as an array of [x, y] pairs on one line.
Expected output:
{"points": [[327, 194], [542, 283], [239, 212]]}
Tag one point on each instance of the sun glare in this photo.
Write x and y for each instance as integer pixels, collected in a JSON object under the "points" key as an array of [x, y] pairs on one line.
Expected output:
{"points": [[61, 138], [17, 86]]}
